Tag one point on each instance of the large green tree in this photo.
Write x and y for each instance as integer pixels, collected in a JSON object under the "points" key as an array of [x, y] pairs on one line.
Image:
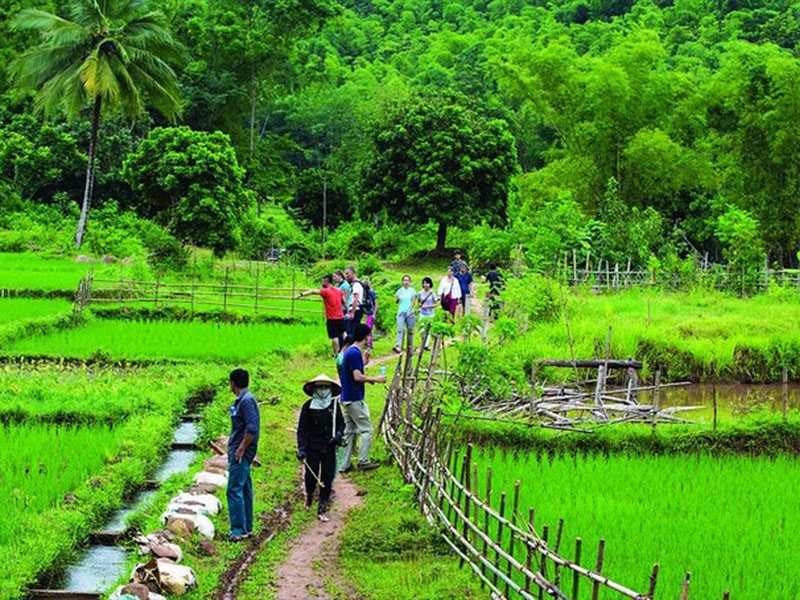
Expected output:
{"points": [[190, 182], [109, 53], [436, 160]]}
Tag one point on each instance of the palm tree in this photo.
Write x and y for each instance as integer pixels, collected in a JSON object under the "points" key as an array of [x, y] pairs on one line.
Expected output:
{"points": [[109, 54]]}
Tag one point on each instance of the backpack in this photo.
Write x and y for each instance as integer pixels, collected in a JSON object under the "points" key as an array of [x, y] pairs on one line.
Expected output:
{"points": [[368, 303]]}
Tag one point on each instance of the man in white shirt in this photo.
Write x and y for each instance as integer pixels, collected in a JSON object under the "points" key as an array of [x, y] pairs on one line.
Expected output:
{"points": [[355, 309]]}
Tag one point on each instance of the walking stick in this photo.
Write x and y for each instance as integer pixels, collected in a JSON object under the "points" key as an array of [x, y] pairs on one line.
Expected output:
{"points": [[308, 468]]}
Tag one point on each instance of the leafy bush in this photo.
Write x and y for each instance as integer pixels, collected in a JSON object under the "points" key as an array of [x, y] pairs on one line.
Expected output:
{"points": [[272, 227], [530, 299], [351, 240], [486, 245]]}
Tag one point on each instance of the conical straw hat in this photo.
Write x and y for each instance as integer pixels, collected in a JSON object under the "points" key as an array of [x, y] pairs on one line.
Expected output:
{"points": [[308, 386]]}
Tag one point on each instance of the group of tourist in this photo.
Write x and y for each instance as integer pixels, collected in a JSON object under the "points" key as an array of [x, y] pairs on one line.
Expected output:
{"points": [[336, 412]]}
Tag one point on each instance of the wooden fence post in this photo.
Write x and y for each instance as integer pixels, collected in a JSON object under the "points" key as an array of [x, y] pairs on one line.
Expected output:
{"points": [[576, 579], [488, 501], [255, 297], [601, 550], [294, 282], [651, 592], [714, 403], [158, 284], [513, 518], [543, 560], [502, 513], [574, 267]]}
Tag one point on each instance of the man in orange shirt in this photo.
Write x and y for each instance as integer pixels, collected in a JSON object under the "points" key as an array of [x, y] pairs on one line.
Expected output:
{"points": [[332, 298]]}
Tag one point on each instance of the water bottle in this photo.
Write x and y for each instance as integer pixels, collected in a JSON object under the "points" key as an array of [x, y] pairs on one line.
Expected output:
{"points": [[383, 371]]}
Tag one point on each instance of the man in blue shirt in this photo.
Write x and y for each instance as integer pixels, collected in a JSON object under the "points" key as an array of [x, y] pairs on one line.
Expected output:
{"points": [[242, 447], [355, 409], [466, 282]]}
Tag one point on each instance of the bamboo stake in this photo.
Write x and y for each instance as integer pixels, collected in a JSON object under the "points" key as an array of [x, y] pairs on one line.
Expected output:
{"points": [[714, 402], [601, 549], [576, 579], [685, 587], [651, 592], [486, 514], [543, 561], [500, 522], [556, 549], [514, 511], [529, 555]]}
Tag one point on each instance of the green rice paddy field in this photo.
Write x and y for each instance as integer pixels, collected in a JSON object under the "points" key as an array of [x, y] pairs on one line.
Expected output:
{"points": [[730, 521], [699, 335], [189, 340], [15, 309], [73, 442]]}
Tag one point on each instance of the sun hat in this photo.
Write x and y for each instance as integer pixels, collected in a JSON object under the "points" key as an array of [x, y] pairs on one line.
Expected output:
{"points": [[308, 386]]}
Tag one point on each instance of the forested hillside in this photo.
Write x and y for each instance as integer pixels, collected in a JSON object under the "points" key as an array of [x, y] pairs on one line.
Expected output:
{"points": [[644, 131]]}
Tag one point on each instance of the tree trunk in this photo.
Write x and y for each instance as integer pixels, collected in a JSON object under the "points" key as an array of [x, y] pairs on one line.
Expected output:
{"points": [[89, 186], [441, 236]]}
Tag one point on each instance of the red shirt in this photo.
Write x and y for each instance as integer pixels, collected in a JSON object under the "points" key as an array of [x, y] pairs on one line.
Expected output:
{"points": [[333, 298]]}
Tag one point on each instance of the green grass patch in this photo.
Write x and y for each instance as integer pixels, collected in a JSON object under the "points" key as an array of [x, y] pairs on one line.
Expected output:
{"points": [[132, 340], [730, 521], [699, 336], [16, 309]]}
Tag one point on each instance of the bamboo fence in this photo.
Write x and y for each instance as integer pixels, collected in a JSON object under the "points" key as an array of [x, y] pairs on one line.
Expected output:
{"points": [[601, 275], [512, 554], [283, 301]]}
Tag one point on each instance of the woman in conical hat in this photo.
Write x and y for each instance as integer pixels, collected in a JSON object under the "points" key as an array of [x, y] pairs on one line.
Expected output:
{"points": [[319, 430]]}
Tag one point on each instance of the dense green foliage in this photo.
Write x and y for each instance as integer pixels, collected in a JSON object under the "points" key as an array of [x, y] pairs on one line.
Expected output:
{"points": [[436, 161], [665, 509], [13, 309], [643, 131], [191, 183]]}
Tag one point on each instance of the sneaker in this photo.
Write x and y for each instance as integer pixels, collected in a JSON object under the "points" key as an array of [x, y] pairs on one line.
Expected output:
{"points": [[323, 517], [347, 470], [236, 538], [368, 466]]}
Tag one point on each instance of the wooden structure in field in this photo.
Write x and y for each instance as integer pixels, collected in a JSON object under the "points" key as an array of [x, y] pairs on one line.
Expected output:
{"points": [[587, 403]]}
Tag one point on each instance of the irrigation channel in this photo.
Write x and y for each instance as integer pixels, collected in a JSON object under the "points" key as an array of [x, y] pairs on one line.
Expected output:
{"points": [[104, 561]]}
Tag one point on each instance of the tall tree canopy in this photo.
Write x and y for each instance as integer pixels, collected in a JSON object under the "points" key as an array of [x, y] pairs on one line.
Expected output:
{"points": [[112, 53], [436, 160]]}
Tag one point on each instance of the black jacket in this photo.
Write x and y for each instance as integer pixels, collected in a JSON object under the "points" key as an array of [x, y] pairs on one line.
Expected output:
{"points": [[315, 429]]}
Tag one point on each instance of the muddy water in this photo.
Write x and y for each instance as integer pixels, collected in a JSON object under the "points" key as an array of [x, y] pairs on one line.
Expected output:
{"points": [[733, 400]]}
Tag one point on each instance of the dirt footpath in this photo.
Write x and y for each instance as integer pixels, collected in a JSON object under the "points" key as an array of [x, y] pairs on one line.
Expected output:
{"points": [[298, 577]]}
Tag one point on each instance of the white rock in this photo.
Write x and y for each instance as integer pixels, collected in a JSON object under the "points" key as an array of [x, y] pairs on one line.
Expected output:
{"points": [[212, 479], [202, 523], [208, 504], [175, 579]]}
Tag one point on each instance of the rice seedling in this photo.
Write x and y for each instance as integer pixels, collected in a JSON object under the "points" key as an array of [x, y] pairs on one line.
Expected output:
{"points": [[192, 340], [731, 521], [42, 463], [67, 395], [16, 309]]}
